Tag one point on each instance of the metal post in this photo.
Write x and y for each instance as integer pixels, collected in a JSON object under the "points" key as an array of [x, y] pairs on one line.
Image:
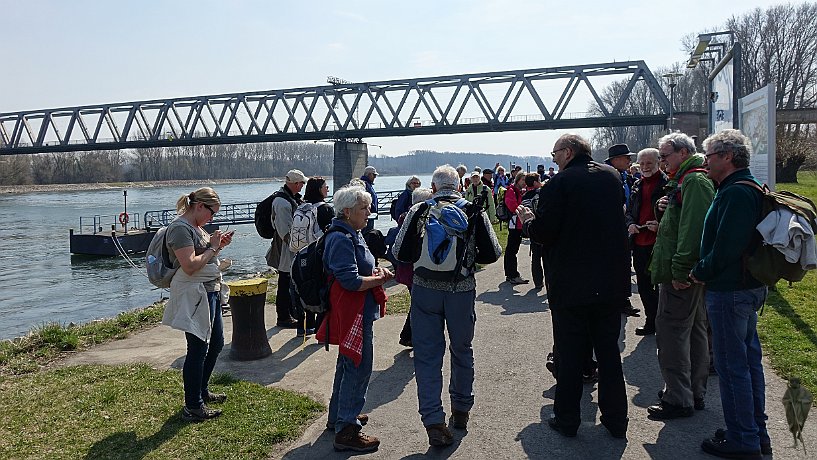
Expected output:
{"points": [[672, 81]]}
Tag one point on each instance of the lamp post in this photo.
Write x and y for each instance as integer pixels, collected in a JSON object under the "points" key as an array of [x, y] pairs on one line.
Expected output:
{"points": [[672, 81]]}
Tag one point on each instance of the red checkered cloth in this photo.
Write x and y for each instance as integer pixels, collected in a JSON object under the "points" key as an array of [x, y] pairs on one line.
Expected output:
{"points": [[345, 319]]}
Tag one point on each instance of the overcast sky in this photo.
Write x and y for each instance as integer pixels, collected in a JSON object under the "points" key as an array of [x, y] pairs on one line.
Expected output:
{"points": [[64, 53]]}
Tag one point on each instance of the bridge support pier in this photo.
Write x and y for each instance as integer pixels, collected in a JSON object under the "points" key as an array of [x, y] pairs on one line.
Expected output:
{"points": [[350, 161]]}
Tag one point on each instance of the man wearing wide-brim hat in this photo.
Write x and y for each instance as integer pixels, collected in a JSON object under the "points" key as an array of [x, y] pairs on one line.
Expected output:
{"points": [[620, 157]]}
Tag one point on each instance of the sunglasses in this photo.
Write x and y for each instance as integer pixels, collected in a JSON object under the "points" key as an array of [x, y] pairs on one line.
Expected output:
{"points": [[212, 213]]}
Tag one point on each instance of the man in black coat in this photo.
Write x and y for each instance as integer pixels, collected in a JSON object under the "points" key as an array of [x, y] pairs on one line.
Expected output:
{"points": [[579, 222]]}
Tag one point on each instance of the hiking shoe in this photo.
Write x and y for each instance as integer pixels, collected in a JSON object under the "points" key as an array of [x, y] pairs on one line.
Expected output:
{"points": [[516, 280], [721, 447], [350, 438], [765, 446], [304, 333], [459, 419], [362, 418], [211, 397], [199, 415], [439, 435]]}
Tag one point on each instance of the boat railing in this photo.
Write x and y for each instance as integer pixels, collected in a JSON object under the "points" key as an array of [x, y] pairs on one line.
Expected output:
{"points": [[107, 223]]}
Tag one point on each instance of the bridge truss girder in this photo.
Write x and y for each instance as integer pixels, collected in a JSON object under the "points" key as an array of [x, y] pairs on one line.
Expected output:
{"points": [[469, 103]]}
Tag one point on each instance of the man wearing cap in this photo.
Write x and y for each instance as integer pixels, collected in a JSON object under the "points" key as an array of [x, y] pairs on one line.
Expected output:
{"points": [[488, 178], [282, 211], [368, 177]]}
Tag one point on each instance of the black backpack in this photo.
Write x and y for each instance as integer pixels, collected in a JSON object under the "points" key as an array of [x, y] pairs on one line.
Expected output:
{"points": [[308, 286], [263, 214], [393, 209]]}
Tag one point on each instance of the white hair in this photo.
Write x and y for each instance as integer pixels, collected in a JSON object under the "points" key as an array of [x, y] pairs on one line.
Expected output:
{"points": [[348, 197], [445, 178], [421, 194], [411, 179]]}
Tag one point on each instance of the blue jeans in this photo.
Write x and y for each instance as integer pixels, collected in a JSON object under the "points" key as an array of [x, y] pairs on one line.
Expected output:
{"points": [[201, 357], [431, 311], [736, 350], [351, 383]]}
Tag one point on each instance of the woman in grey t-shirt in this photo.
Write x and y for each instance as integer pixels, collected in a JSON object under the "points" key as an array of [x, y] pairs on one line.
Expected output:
{"points": [[191, 249]]}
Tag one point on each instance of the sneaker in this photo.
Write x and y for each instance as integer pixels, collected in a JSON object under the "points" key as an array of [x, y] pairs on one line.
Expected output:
{"points": [[305, 333], [721, 447], [211, 397], [666, 411], [362, 418], [439, 435], [550, 364], [199, 415], [516, 280], [644, 331], [350, 438], [459, 419], [590, 376]]}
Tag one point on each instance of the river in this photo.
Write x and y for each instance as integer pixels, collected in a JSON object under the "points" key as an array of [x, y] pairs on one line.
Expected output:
{"points": [[41, 282]]}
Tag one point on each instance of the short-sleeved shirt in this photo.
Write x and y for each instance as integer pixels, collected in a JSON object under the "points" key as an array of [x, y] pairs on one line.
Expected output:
{"points": [[180, 234]]}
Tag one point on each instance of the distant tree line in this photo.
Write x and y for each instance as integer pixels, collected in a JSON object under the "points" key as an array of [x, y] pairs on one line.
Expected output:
{"points": [[779, 46], [172, 163], [424, 161]]}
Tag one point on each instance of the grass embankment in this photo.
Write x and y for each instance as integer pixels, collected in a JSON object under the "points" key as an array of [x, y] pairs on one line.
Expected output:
{"points": [[788, 325]]}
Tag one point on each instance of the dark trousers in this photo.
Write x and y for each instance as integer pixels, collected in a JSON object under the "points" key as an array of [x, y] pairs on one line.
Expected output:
{"points": [[646, 290], [571, 328], [201, 357], [537, 254], [283, 300], [511, 252]]}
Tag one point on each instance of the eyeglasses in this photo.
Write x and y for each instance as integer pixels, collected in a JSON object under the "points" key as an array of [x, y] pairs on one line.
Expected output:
{"points": [[707, 155], [558, 150], [212, 213], [664, 157]]}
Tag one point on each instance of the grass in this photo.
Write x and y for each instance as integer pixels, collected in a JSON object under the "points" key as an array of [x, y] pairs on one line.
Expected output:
{"points": [[789, 320], [50, 341], [133, 411], [399, 303]]}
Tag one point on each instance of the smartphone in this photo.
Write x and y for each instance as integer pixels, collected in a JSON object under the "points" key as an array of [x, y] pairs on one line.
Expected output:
{"points": [[641, 227], [230, 232]]}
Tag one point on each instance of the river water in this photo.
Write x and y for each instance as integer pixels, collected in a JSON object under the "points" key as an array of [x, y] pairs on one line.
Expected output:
{"points": [[41, 282]]}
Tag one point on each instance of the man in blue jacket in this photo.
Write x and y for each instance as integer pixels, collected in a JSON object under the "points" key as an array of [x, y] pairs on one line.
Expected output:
{"points": [[733, 297], [368, 177]]}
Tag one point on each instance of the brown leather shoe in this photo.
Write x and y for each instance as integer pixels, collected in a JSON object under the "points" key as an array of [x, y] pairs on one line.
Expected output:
{"points": [[439, 435], [459, 419], [351, 439]]}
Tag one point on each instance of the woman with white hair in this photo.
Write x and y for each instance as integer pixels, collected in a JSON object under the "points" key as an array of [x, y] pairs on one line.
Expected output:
{"points": [[404, 200], [358, 299]]}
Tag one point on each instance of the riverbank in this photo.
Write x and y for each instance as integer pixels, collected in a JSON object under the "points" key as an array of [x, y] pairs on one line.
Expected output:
{"points": [[20, 189]]}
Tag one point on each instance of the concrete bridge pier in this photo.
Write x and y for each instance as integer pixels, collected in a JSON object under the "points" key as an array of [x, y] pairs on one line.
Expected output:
{"points": [[351, 159]]}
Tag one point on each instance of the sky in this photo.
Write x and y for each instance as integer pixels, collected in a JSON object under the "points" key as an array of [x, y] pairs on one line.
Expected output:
{"points": [[60, 53]]}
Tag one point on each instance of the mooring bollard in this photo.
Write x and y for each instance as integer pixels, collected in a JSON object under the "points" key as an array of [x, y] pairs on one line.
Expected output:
{"points": [[247, 298]]}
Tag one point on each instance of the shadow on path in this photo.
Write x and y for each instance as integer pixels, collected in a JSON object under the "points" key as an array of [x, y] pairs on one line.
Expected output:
{"points": [[125, 444]]}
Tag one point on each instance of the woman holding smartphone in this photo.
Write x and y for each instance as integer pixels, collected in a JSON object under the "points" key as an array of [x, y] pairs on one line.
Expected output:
{"points": [[194, 305]]}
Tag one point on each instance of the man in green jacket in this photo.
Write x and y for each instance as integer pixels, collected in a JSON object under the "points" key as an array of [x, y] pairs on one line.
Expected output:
{"points": [[683, 348], [733, 297]]}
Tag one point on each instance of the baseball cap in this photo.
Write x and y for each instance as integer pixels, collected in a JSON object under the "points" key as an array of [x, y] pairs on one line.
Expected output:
{"points": [[370, 170], [295, 175]]}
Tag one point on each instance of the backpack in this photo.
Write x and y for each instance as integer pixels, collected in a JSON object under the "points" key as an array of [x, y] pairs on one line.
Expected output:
{"points": [[309, 282], [393, 209], [443, 230], [502, 212], [160, 272], [764, 262], [263, 215], [305, 228]]}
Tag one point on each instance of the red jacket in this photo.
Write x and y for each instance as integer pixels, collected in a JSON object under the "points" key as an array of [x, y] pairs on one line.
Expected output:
{"points": [[346, 319]]}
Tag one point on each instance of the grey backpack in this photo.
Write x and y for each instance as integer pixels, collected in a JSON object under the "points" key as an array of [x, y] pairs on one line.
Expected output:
{"points": [[160, 272]]}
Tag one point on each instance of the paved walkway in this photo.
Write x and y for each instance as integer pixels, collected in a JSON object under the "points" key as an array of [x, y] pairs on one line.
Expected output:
{"points": [[514, 392]]}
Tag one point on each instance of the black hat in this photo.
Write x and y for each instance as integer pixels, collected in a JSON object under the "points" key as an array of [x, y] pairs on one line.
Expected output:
{"points": [[487, 171], [619, 150]]}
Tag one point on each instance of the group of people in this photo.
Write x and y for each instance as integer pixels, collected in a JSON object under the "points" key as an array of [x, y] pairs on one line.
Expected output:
{"points": [[689, 221], [682, 224]]}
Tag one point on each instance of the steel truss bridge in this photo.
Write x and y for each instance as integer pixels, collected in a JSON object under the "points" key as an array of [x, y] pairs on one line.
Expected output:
{"points": [[470, 103]]}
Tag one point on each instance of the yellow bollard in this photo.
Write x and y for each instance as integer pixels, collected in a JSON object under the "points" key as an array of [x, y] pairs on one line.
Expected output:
{"points": [[247, 299]]}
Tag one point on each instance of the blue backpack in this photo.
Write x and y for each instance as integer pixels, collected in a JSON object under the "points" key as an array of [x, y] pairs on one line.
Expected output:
{"points": [[443, 235]]}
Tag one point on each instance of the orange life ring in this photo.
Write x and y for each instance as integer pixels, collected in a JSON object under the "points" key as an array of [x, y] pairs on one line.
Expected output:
{"points": [[123, 218]]}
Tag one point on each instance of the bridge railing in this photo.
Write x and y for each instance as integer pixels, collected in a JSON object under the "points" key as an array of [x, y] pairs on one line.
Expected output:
{"points": [[244, 213]]}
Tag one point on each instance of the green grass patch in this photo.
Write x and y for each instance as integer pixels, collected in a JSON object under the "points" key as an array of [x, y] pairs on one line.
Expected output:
{"points": [[134, 411], [49, 341], [399, 303], [789, 320]]}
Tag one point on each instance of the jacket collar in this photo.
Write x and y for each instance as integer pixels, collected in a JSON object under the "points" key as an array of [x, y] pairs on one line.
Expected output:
{"points": [[740, 174], [579, 160]]}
